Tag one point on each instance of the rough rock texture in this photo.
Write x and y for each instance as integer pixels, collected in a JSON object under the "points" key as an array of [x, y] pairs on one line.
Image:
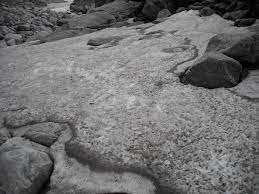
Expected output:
{"points": [[4, 135], [69, 176], [92, 20], [24, 166], [120, 9], [241, 47], [126, 106], [152, 8], [43, 133], [245, 22], [249, 87], [213, 70]]}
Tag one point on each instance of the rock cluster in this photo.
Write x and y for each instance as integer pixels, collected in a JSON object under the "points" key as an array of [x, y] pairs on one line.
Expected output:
{"points": [[19, 23], [149, 9]]}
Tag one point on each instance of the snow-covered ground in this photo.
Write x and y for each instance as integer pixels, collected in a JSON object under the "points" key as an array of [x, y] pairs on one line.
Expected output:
{"points": [[60, 7]]}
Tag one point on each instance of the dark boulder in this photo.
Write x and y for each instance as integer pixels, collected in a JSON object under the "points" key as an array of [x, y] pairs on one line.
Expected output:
{"points": [[206, 11], [244, 22], [152, 8], [25, 166], [213, 70], [241, 47]]}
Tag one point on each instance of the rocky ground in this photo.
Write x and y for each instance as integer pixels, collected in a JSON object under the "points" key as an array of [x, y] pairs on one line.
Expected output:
{"points": [[127, 110]]}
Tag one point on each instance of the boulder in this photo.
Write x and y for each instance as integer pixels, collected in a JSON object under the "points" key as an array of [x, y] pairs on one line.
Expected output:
{"points": [[164, 13], [3, 44], [244, 22], [16, 37], [25, 166], [5, 30], [92, 20], [120, 9], [236, 15], [213, 70], [11, 42], [239, 46], [101, 41], [4, 135], [206, 11], [152, 8], [180, 9], [43, 133], [23, 27], [195, 7]]}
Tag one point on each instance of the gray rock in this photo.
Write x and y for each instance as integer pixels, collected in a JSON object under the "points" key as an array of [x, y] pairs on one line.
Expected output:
{"points": [[23, 27], [195, 7], [43, 133], [244, 22], [92, 20], [213, 70], [241, 47], [23, 167], [152, 8], [236, 15], [164, 13], [11, 42], [249, 87], [101, 41], [23, 117], [16, 37], [121, 9], [180, 9], [4, 135], [3, 44], [5, 30], [206, 11]]}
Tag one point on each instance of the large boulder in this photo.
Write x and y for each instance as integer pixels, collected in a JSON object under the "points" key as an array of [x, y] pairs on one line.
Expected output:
{"points": [[84, 5], [213, 70], [239, 46], [92, 20], [152, 8], [24, 166], [120, 9]]}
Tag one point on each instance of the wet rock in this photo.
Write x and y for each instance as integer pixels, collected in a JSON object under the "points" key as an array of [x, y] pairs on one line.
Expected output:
{"points": [[92, 20], [244, 22], [43, 133], [163, 13], [152, 8], [24, 166], [4, 135], [206, 11], [239, 46], [213, 70]]}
